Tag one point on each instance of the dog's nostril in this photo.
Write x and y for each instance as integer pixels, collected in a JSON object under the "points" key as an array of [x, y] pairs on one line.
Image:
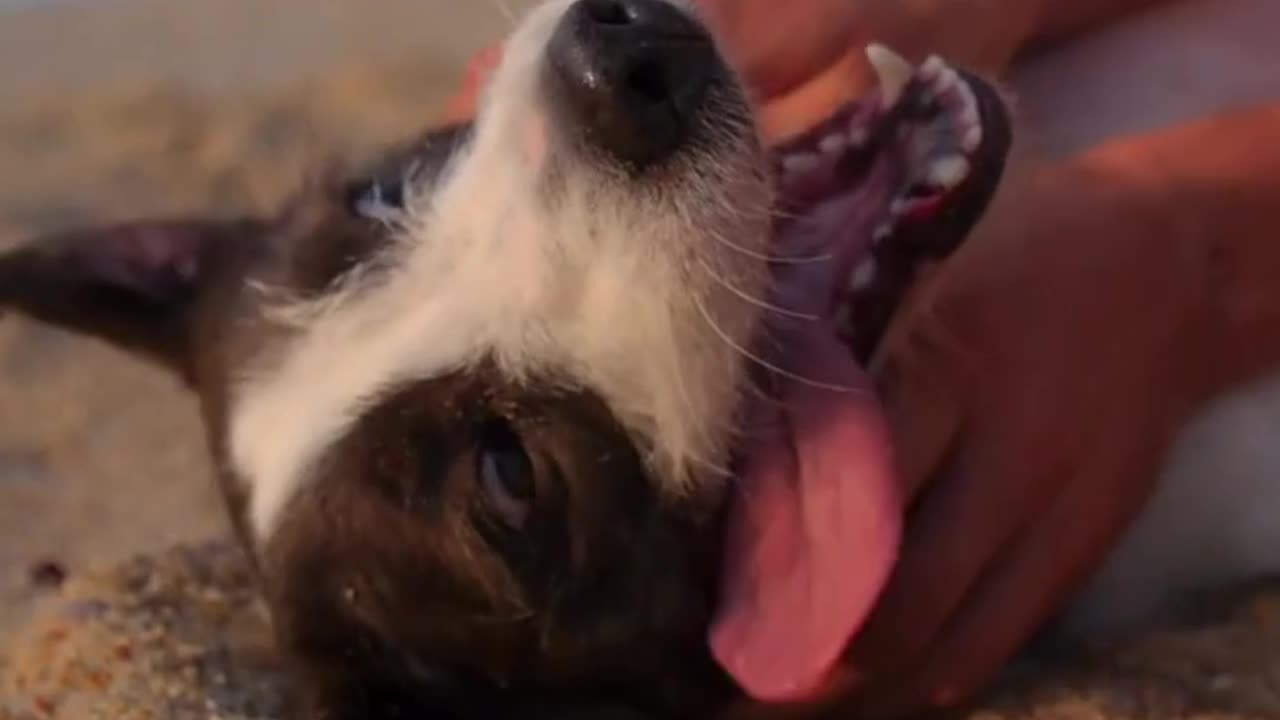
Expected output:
{"points": [[632, 76], [610, 12], [648, 81]]}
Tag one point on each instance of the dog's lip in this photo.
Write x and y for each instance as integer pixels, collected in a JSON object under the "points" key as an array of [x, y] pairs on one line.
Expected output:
{"points": [[845, 157]]}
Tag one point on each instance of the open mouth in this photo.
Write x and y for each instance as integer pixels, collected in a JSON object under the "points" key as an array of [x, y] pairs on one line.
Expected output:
{"points": [[866, 200], [886, 184]]}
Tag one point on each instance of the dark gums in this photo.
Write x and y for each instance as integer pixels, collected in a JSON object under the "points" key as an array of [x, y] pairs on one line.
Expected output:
{"points": [[939, 235]]}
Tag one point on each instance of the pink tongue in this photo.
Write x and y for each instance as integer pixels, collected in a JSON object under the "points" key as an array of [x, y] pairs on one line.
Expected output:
{"points": [[812, 533]]}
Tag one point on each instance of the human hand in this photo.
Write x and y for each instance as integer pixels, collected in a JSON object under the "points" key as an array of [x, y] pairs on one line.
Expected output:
{"points": [[1034, 387], [804, 58]]}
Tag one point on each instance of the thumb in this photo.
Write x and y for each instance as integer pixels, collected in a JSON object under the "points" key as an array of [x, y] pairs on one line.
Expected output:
{"points": [[795, 111], [925, 374], [461, 107]]}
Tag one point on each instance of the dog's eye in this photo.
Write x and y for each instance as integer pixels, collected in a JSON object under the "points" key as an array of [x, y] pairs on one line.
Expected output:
{"points": [[378, 200], [506, 473]]}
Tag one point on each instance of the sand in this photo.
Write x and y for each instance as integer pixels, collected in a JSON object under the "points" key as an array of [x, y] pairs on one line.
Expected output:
{"points": [[117, 109], [180, 635], [152, 107]]}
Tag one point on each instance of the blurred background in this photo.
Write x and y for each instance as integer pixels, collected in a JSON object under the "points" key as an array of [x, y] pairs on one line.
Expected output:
{"points": [[114, 109]]}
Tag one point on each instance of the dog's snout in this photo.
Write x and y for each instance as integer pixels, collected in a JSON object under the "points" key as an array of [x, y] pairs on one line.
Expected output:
{"points": [[633, 74]]}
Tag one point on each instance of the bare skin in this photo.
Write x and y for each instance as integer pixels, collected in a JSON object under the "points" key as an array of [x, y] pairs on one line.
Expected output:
{"points": [[1036, 386], [1036, 383], [802, 81]]}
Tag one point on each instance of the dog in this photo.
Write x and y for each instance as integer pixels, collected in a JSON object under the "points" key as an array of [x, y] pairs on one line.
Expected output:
{"points": [[485, 412]]}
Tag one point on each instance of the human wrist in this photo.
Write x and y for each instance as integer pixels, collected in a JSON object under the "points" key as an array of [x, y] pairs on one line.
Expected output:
{"points": [[1061, 20]]}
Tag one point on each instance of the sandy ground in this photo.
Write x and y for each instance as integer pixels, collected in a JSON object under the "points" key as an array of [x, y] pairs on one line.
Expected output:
{"points": [[112, 110], [123, 108]]}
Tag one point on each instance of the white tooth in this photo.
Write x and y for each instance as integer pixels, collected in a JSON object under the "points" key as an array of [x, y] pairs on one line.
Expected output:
{"points": [[893, 71], [947, 79], [801, 162], [863, 275], [858, 135], [949, 171], [931, 68], [972, 138], [967, 113], [833, 143], [966, 95], [905, 205], [968, 116]]}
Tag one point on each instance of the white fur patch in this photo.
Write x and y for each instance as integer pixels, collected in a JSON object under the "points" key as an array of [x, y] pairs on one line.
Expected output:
{"points": [[620, 287]]}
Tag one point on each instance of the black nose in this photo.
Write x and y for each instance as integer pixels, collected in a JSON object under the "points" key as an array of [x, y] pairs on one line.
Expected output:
{"points": [[632, 76]]}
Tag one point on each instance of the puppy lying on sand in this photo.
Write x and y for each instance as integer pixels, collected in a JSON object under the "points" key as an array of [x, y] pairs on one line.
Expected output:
{"points": [[480, 471], [482, 413]]}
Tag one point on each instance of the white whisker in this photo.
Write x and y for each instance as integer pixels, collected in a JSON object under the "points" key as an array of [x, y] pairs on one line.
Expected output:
{"points": [[775, 259], [763, 304], [711, 323], [721, 471]]}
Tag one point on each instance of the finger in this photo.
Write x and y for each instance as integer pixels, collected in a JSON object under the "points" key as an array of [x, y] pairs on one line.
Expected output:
{"points": [[804, 105], [948, 542], [462, 106], [1009, 449], [1030, 581], [924, 378], [1007, 474], [931, 361], [780, 46], [925, 375]]}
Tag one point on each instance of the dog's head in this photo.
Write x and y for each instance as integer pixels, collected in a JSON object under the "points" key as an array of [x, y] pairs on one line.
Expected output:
{"points": [[480, 409]]}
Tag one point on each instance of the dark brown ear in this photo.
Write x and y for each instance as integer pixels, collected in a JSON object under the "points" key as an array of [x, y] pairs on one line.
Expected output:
{"points": [[133, 284]]}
